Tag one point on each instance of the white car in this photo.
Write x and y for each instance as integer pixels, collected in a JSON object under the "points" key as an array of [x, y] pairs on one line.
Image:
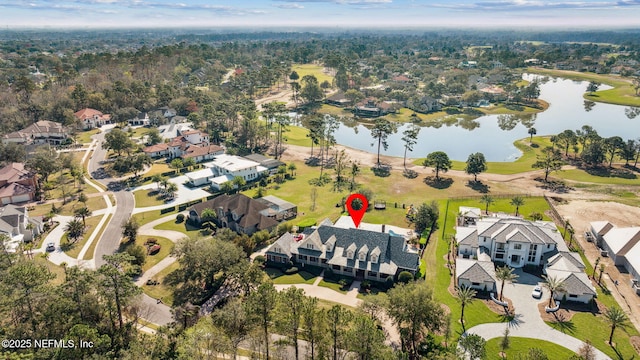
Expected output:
{"points": [[537, 292], [51, 247]]}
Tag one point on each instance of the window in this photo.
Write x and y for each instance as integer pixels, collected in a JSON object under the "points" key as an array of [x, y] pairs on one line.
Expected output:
{"points": [[362, 256], [348, 269], [517, 246], [499, 256], [372, 273], [329, 247], [313, 259], [335, 267], [310, 246], [475, 284], [374, 258], [350, 254]]}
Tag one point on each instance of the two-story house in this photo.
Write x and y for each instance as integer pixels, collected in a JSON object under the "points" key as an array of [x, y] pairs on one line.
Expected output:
{"points": [[17, 226], [226, 167], [41, 132], [17, 184], [91, 118], [358, 253]]}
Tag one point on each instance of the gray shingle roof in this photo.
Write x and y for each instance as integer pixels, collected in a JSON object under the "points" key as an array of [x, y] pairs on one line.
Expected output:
{"points": [[481, 271]]}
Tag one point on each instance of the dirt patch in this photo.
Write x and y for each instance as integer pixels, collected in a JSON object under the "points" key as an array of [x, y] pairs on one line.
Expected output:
{"points": [[567, 310], [635, 342]]}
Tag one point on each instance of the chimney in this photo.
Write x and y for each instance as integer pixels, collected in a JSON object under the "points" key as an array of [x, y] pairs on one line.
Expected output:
{"points": [[383, 227]]}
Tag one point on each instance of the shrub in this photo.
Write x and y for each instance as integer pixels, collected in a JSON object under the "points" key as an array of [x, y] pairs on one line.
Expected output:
{"points": [[306, 223], [180, 218], [260, 260], [291, 271], [388, 283], [154, 249], [151, 241], [405, 277], [535, 216], [139, 254]]}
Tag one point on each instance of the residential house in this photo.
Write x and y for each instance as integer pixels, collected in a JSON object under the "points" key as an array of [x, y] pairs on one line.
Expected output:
{"points": [[516, 243], [569, 268], [338, 99], [168, 112], [599, 229], [16, 224], [357, 253], [142, 119], [272, 165], [279, 209], [370, 108], [174, 129], [17, 184], [424, 104], [157, 150], [41, 132], [622, 245], [201, 153], [226, 167], [237, 212], [92, 118]]}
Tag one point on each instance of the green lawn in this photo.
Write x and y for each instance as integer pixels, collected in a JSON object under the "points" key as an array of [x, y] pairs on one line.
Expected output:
{"points": [[149, 216], [522, 164], [85, 136], [92, 248], [165, 250], [296, 135], [312, 69], [162, 290], [301, 277], [147, 197], [74, 249], [158, 168], [58, 271], [583, 176], [621, 94], [182, 227], [520, 346], [93, 203], [332, 285]]}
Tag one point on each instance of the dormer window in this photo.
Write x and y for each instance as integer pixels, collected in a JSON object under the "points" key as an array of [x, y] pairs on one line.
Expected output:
{"points": [[349, 254], [362, 256], [310, 246], [374, 259]]}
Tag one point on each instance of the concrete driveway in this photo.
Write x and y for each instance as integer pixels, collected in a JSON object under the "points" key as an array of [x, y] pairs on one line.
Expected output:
{"points": [[527, 321]]}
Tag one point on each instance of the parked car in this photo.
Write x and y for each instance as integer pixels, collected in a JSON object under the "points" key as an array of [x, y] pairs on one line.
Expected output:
{"points": [[587, 236], [537, 292], [51, 247]]}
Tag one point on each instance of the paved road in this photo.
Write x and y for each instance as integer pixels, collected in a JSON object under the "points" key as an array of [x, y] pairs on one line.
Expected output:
{"points": [[110, 241], [527, 322]]}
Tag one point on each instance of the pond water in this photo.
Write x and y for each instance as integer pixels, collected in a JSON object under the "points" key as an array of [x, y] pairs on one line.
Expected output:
{"points": [[493, 135]]}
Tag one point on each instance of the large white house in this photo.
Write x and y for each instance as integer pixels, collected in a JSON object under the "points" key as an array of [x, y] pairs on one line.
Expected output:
{"points": [[14, 224], [515, 242], [622, 245], [226, 167]]}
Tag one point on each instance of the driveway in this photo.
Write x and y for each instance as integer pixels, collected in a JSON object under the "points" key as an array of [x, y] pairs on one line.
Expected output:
{"points": [[527, 322], [183, 195]]}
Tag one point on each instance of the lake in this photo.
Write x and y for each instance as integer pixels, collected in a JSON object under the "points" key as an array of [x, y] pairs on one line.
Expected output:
{"points": [[494, 135]]}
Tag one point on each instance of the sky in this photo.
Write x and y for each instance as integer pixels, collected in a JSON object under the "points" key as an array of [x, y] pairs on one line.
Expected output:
{"points": [[566, 14]]}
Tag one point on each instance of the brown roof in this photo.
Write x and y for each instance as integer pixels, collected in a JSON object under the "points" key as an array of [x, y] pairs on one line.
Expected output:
{"points": [[14, 189], [42, 126], [194, 151], [247, 209], [87, 113], [156, 148], [14, 172]]}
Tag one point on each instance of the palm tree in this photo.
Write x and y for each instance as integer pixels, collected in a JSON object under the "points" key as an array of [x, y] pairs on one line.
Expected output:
{"points": [[505, 274], [74, 229], [617, 318], [130, 229], [487, 200], [171, 190], [82, 212], [553, 284], [226, 187], [466, 296], [292, 167], [239, 182], [164, 182], [517, 202], [532, 131]]}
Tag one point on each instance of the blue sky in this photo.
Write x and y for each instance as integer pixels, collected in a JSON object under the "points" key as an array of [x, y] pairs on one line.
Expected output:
{"points": [[573, 14]]}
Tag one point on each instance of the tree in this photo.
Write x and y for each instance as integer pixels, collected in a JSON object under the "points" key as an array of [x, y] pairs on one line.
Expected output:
{"points": [[235, 320], [438, 160], [505, 275], [426, 216], [487, 200], [505, 342], [475, 165], [338, 319], [366, 339], [612, 146], [311, 91], [592, 87], [409, 137], [226, 187], [517, 201], [566, 139], [593, 153], [474, 345], [44, 162], [292, 168], [82, 212], [130, 229], [465, 296], [354, 171], [290, 305], [153, 137], [314, 321], [617, 319], [75, 230], [262, 303], [381, 130], [586, 351], [294, 76], [116, 286], [238, 182], [177, 163], [532, 131], [636, 84], [415, 312], [629, 151], [118, 141], [171, 190], [554, 285], [549, 160]]}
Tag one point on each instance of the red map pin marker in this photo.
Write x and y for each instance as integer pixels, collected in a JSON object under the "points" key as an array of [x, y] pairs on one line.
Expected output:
{"points": [[356, 215]]}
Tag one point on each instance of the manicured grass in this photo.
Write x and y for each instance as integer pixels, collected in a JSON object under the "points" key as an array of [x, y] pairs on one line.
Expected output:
{"points": [[583, 176], [332, 285], [93, 203], [147, 197], [165, 250], [312, 69], [296, 135], [522, 164], [92, 248], [138, 132], [149, 216], [157, 168], [162, 290], [520, 346], [182, 227], [85, 136], [73, 250], [301, 277], [621, 94]]}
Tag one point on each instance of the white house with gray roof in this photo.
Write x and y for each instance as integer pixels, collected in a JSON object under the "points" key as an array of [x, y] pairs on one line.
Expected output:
{"points": [[569, 268], [356, 253]]}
